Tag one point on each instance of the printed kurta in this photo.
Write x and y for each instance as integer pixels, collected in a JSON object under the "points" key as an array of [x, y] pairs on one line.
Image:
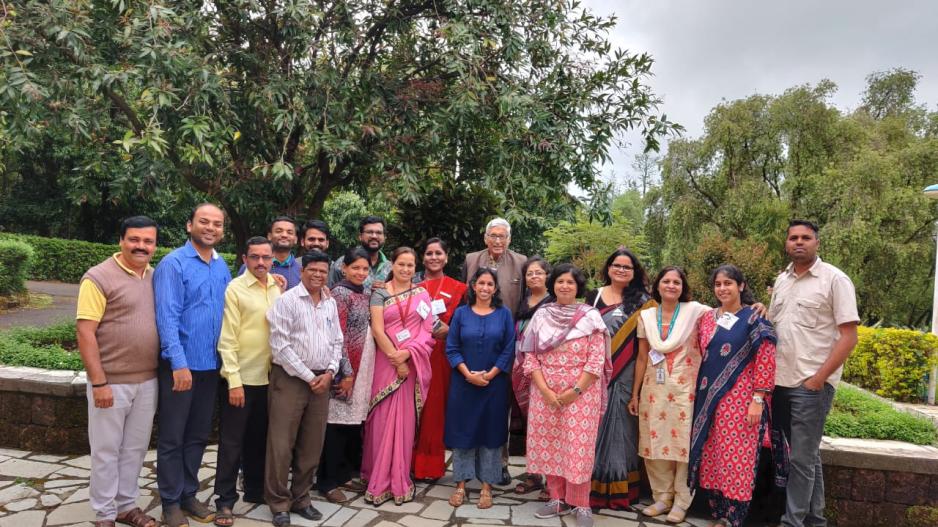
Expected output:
{"points": [[562, 441], [731, 451], [665, 410], [358, 356], [430, 452]]}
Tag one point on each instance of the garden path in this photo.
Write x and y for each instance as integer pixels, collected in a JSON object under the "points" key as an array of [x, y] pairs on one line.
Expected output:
{"points": [[64, 296]]}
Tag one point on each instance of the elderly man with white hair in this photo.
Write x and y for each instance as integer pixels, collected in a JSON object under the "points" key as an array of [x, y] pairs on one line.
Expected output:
{"points": [[505, 262]]}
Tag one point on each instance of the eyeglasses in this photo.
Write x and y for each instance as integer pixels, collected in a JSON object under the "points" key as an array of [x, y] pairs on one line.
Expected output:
{"points": [[623, 268], [497, 237], [532, 274], [261, 257]]}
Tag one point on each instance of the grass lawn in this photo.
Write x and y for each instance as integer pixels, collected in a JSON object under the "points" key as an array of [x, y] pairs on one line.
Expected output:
{"points": [[859, 415]]}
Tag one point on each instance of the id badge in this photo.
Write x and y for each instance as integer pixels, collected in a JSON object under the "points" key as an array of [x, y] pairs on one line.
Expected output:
{"points": [[438, 307], [655, 357], [423, 309], [727, 321], [617, 312], [659, 375], [402, 335]]}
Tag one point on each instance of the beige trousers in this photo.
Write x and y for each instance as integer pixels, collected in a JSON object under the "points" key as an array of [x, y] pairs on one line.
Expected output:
{"points": [[668, 480]]}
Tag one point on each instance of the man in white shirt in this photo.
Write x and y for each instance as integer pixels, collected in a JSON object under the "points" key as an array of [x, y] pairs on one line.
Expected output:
{"points": [[306, 346]]}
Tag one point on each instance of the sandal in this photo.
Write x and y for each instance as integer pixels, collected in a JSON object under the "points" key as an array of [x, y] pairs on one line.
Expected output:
{"points": [[198, 511], [136, 518], [224, 517], [529, 484], [173, 517], [485, 499], [656, 509], [458, 497]]}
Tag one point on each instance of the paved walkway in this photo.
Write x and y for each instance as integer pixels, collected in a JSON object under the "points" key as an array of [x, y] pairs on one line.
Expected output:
{"points": [[64, 298], [41, 490]]}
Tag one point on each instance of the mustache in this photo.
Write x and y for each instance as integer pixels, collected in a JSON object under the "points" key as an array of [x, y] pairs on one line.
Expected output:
{"points": [[139, 251]]}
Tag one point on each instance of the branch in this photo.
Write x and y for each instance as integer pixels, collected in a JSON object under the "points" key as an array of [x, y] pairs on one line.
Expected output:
{"points": [[708, 197]]}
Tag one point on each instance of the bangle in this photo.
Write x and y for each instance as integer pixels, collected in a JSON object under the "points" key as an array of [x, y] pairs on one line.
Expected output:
{"points": [[102, 385]]}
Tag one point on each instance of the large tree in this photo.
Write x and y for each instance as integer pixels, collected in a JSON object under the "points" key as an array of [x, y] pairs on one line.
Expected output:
{"points": [[269, 105]]}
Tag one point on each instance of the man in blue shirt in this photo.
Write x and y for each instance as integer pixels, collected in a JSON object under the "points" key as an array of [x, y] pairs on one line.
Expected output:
{"points": [[282, 235], [189, 286]]}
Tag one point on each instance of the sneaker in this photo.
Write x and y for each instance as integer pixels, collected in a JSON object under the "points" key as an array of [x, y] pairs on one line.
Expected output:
{"points": [[551, 509], [584, 516]]}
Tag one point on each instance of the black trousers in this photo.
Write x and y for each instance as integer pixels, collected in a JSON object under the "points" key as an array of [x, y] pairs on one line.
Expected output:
{"points": [[185, 421], [341, 456], [242, 444]]}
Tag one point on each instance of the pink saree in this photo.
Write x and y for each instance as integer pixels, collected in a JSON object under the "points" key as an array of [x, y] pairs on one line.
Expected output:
{"points": [[394, 415]]}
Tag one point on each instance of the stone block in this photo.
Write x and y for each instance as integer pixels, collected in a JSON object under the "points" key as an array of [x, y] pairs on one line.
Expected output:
{"points": [[27, 469], [42, 411], [24, 519], [837, 481], [71, 412], [868, 486], [17, 408], [907, 488]]}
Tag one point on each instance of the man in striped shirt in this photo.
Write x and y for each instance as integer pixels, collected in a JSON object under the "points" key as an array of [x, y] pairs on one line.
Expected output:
{"points": [[306, 346]]}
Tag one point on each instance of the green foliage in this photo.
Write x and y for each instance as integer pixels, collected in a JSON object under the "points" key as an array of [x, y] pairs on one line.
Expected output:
{"points": [[52, 347], [749, 255], [343, 210], [921, 516], [149, 100], [587, 244], [768, 158], [859, 415], [68, 260], [15, 260], [892, 362]]}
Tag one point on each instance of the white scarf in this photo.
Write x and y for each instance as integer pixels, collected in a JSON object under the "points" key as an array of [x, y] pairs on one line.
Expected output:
{"points": [[683, 327]]}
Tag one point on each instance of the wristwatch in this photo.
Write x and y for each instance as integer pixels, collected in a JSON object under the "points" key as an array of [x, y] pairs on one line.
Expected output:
{"points": [[758, 399], [577, 390]]}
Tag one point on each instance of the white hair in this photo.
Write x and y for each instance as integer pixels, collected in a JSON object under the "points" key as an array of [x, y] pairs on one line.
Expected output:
{"points": [[499, 222]]}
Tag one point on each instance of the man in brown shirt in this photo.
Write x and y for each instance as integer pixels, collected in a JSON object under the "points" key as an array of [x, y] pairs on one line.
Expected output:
{"points": [[814, 310], [498, 257], [119, 344]]}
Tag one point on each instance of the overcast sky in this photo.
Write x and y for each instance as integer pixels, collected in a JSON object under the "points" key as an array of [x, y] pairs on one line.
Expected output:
{"points": [[709, 50]]}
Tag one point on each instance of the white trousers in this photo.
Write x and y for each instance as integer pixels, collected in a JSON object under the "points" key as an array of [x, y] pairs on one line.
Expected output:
{"points": [[119, 437], [668, 481]]}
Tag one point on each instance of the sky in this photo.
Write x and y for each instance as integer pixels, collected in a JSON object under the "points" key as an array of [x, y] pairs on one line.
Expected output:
{"points": [[706, 51]]}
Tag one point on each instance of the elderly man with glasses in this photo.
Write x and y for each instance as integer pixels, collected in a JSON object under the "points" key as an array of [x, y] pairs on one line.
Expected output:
{"points": [[498, 257]]}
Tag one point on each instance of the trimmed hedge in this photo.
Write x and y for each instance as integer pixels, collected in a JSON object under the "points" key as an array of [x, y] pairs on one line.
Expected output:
{"points": [[47, 347], [859, 415], [15, 259], [67, 260], [892, 362]]}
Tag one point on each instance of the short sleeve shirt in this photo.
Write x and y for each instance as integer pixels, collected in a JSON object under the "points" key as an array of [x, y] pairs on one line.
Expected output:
{"points": [[806, 311]]}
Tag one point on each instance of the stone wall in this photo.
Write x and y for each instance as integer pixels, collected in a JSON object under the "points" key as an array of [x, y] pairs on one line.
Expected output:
{"points": [[880, 483], [43, 410]]}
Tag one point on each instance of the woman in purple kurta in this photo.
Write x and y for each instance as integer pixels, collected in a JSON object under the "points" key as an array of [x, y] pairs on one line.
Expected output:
{"points": [[402, 323]]}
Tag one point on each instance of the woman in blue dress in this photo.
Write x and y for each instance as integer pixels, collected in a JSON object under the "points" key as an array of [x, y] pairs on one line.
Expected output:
{"points": [[480, 347]]}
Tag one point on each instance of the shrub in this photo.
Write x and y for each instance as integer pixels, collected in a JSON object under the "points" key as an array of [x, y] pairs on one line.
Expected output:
{"points": [[47, 347], [860, 415], [67, 260], [15, 258], [587, 243], [892, 362]]}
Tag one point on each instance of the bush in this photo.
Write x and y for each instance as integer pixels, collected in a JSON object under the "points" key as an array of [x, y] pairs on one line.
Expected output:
{"points": [[67, 260], [48, 347], [892, 362], [15, 258], [587, 243], [860, 415]]}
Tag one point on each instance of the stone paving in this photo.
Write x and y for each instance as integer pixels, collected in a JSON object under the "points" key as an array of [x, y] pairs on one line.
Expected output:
{"points": [[39, 490]]}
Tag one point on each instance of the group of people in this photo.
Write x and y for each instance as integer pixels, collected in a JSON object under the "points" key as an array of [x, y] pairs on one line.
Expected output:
{"points": [[364, 366]]}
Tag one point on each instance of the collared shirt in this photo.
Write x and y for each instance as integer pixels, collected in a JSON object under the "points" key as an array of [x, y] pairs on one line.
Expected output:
{"points": [[92, 302], [305, 336], [806, 311], [290, 269], [376, 273], [244, 345], [190, 300]]}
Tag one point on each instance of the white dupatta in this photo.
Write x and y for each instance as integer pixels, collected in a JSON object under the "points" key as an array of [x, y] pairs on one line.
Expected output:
{"points": [[683, 327]]}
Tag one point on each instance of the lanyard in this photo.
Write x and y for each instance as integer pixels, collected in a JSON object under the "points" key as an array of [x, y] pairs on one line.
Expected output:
{"points": [[671, 324], [403, 312], [434, 296]]}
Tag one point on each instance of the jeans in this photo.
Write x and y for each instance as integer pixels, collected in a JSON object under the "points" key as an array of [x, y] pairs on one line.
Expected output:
{"points": [[484, 464], [800, 413]]}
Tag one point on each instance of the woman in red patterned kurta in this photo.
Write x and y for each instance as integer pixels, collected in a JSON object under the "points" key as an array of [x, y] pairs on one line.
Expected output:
{"points": [[566, 355], [730, 417]]}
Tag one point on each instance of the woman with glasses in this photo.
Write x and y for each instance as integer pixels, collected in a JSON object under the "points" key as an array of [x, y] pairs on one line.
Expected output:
{"points": [[533, 295], [446, 294], [624, 294]]}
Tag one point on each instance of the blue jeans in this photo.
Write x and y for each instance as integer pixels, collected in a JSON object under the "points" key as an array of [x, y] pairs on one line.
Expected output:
{"points": [[800, 413], [484, 464]]}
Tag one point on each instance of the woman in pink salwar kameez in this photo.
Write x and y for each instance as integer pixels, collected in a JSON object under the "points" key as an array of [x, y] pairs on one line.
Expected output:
{"points": [[402, 324]]}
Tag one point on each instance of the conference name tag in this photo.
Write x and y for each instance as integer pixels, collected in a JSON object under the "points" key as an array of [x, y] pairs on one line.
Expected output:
{"points": [[402, 335], [423, 309], [655, 357], [727, 321], [659, 375], [438, 306]]}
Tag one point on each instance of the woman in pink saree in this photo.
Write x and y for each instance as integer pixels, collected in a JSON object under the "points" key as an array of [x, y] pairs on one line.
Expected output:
{"points": [[402, 324]]}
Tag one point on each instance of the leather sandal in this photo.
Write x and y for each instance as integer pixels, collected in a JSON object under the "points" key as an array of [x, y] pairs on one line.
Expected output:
{"points": [[136, 518], [458, 497], [173, 517], [224, 517], [656, 509], [485, 499]]}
